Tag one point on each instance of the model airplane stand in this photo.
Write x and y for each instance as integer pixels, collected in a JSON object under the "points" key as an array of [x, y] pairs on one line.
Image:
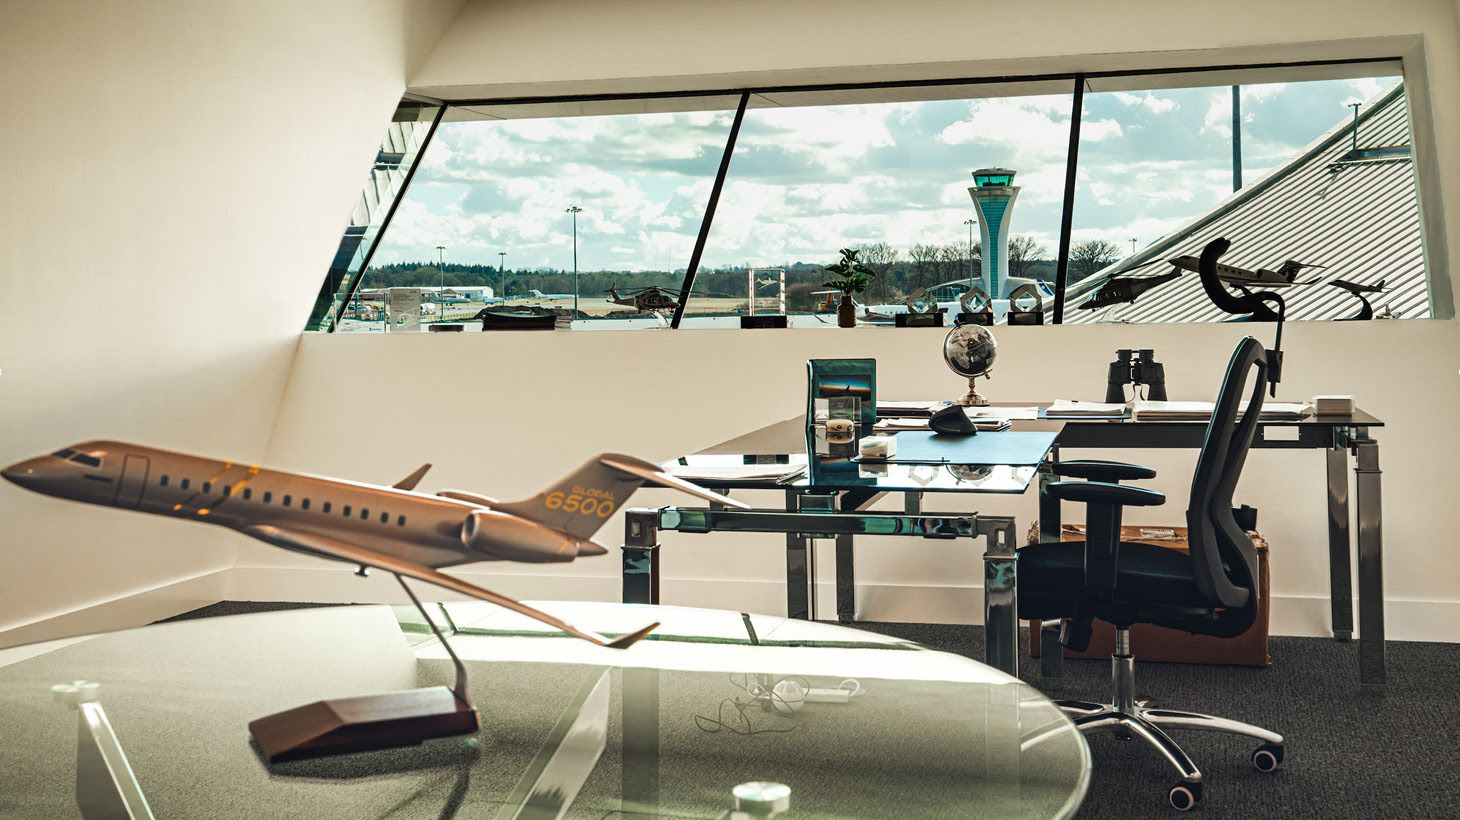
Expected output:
{"points": [[105, 785], [370, 722]]}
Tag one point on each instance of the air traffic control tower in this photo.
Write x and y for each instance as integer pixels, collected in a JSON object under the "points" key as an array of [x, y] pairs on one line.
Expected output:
{"points": [[993, 195]]}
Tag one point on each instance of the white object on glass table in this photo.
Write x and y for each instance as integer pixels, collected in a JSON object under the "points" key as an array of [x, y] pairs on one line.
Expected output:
{"points": [[878, 447]]}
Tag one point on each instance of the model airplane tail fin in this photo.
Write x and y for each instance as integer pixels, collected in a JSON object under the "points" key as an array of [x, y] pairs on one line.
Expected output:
{"points": [[626, 641], [580, 503]]}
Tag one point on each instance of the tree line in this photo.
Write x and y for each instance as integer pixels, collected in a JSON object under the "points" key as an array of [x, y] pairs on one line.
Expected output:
{"points": [[924, 265]]}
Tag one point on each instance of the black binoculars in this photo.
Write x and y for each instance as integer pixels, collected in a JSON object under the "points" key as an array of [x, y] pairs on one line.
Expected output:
{"points": [[1138, 367]]}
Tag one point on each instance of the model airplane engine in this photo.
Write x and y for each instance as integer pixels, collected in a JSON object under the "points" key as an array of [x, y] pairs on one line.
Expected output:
{"points": [[505, 537]]}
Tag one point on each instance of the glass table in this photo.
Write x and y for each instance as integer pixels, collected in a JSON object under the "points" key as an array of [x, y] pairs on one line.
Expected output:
{"points": [[712, 708]]}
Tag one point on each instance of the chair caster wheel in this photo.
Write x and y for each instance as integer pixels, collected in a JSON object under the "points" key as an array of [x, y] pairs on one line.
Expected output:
{"points": [[1184, 796], [1267, 758]]}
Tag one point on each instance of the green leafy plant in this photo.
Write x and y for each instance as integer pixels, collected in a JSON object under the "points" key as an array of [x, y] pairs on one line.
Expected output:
{"points": [[853, 276]]}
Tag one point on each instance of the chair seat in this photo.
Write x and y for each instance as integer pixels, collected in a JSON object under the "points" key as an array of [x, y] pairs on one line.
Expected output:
{"points": [[1052, 581]]}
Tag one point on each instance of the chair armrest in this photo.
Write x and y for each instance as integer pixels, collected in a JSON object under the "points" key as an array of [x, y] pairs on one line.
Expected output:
{"points": [[1094, 470], [1099, 492]]}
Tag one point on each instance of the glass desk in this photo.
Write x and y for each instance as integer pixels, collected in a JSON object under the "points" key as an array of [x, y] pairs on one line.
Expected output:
{"points": [[829, 497], [1347, 441], [670, 727]]}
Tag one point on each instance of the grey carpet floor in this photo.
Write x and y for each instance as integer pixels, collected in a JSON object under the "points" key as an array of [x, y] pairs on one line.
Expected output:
{"points": [[1348, 755]]}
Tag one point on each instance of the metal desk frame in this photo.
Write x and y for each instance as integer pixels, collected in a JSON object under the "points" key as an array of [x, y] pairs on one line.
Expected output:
{"points": [[838, 514], [1339, 441], [841, 514]]}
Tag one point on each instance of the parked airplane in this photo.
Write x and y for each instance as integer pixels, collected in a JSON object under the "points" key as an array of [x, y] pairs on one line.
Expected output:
{"points": [[395, 529], [537, 294]]}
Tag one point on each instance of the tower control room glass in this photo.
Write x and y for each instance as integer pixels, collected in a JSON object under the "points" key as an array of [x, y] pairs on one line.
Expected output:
{"points": [[575, 208], [1302, 189], [887, 171]]}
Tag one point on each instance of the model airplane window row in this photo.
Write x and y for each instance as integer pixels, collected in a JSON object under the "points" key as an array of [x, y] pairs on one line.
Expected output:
{"points": [[227, 491]]}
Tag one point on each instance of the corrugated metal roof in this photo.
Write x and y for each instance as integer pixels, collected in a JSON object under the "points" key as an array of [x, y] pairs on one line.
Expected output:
{"points": [[1361, 221]]}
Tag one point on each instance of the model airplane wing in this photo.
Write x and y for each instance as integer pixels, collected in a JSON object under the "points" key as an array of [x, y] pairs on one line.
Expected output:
{"points": [[341, 551], [409, 482]]}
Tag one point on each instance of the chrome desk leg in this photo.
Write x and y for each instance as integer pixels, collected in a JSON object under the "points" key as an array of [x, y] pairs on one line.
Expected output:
{"points": [[846, 585], [801, 556], [1049, 507], [641, 557], [1372, 676], [798, 560], [105, 784], [1340, 582], [1000, 594]]}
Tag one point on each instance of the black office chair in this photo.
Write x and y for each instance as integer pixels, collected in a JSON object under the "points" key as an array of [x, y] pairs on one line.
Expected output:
{"points": [[1210, 591]]}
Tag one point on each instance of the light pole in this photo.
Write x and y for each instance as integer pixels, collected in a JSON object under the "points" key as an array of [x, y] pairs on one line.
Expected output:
{"points": [[970, 223], [441, 294], [502, 269], [1132, 246], [575, 210]]}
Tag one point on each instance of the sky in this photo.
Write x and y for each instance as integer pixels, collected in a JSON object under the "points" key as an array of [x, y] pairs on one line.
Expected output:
{"points": [[805, 181]]}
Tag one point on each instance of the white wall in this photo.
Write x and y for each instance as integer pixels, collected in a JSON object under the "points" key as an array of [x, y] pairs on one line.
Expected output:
{"points": [[152, 142], [523, 409], [177, 176], [516, 410], [507, 413]]}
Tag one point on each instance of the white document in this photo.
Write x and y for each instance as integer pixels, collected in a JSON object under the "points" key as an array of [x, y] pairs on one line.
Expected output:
{"points": [[1067, 408], [1202, 410]]}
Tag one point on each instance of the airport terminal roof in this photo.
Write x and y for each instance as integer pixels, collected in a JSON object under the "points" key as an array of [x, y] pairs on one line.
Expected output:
{"points": [[1357, 216]]}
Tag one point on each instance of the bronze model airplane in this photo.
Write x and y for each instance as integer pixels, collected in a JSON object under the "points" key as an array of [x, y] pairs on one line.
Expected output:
{"points": [[394, 529]]}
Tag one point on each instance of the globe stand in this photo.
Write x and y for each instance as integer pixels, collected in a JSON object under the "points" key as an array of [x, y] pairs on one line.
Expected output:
{"points": [[972, 397]]}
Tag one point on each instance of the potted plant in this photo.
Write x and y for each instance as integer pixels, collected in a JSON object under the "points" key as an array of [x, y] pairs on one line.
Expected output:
{"points": [[852, 277]]}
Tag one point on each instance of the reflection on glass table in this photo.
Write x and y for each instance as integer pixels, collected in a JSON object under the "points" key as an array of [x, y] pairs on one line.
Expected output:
{"points": [[742, 471], [853, 724]]}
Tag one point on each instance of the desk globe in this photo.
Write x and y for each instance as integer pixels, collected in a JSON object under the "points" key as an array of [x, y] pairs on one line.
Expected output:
{"points": [[970, 351]]}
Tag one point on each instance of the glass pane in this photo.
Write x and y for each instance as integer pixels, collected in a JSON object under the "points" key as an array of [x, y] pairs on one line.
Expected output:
{"points": [[393, 162], [555, 215], [892, 180], [1156, 184]]}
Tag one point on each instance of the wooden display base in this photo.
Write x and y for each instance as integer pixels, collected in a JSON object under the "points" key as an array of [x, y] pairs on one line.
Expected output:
{"points": [[934, 319], [760, 321], [347, 725]]}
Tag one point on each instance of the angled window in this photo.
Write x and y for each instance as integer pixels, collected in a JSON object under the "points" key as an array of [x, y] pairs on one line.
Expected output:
{"points": [[392, 167], [1302, 194], [888, 171], [544, 210]]}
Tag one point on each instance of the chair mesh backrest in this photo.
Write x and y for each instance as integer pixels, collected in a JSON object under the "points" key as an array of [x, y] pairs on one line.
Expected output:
{"points": [[1224, 558]]}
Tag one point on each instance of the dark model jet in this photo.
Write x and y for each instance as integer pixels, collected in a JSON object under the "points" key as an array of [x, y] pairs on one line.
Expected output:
{"points": [[1359, 292], [1119, 290]]}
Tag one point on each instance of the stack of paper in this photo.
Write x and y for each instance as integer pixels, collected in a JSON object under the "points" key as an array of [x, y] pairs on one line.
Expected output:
{"points": [[1202, 410], [980, 423], [1065, 408]]}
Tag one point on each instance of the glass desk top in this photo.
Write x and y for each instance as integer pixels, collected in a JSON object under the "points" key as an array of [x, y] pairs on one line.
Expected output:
{"points": [[844, 474], [669, 727]]}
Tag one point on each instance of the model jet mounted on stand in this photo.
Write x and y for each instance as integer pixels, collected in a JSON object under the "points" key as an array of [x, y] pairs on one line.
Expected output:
{"points": [[395, 529]]}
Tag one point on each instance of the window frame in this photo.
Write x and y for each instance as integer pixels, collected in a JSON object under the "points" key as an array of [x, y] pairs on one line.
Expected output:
{"points": [[1436, 274]]}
